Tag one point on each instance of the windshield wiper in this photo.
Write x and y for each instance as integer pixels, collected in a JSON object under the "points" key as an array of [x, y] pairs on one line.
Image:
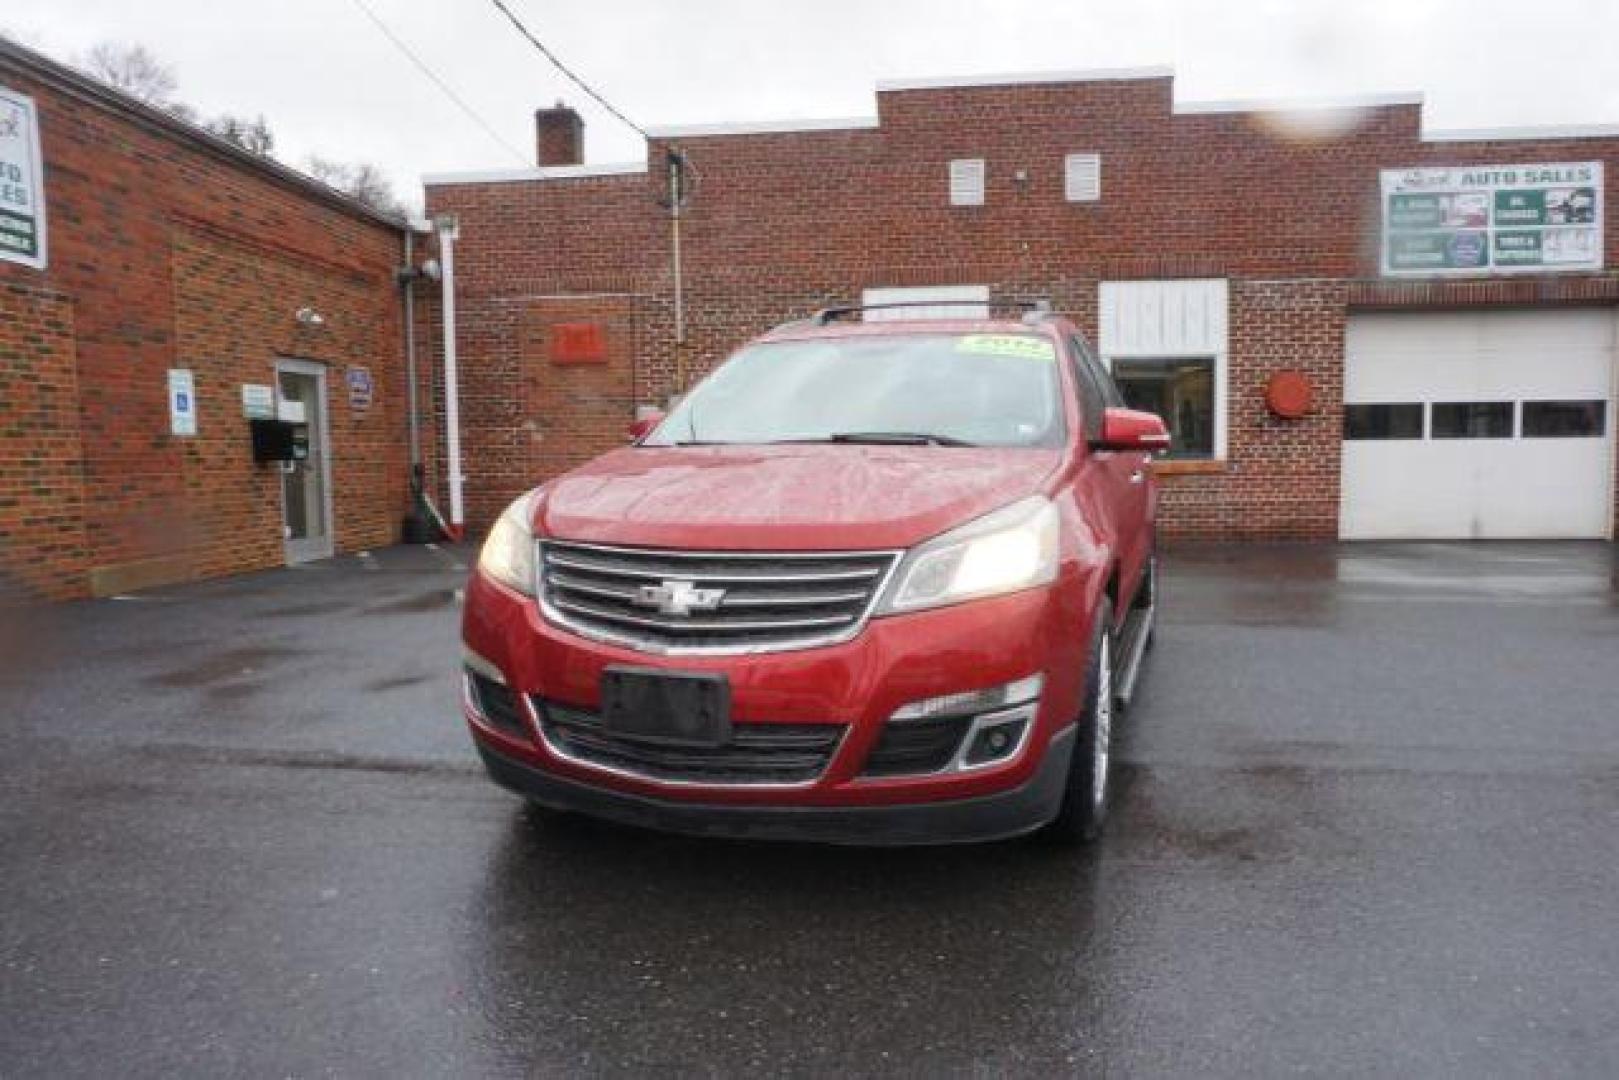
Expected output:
{"points": [[897, 438]]}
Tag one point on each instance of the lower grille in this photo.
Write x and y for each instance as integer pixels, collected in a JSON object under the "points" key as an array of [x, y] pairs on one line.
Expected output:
{"points": [[756, 754], [916, 747]]}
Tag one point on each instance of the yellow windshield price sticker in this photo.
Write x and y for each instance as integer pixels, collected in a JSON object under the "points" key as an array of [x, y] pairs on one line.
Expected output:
{"points": [[1019, 345]]}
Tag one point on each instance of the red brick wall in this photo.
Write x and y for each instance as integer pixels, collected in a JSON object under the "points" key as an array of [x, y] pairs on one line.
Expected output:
{"points": [[175, 255], [781, 223], [42, 543], [228, 337], [1280, 477]]}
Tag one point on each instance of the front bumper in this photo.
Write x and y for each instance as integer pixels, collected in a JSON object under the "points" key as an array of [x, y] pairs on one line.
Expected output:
{"points": [[856, 685], [997, 816]]}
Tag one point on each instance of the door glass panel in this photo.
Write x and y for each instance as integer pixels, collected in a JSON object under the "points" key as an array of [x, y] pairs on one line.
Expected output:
{"points": [[1402, 420], [1181, 392], [301, 478], [1472, 420], [1565, 419]]}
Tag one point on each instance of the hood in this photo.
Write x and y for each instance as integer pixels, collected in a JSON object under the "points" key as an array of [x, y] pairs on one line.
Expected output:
{"points": [[780, 498]]}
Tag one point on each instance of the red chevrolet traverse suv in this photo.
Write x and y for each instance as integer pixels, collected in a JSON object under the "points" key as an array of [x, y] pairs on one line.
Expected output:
{"points": [[878, 581]]}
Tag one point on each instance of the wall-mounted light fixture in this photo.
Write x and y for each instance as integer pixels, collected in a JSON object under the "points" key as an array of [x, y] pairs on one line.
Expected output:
{"points": [[429, 270], [308, 316]]}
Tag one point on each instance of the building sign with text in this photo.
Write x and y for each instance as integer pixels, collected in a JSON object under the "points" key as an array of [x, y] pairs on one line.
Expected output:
{"points": [[1492, 219], [22, 182]]}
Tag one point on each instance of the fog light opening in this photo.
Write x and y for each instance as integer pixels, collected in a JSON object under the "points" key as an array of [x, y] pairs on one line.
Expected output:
{"points": [[994, 741], [494, 703]]}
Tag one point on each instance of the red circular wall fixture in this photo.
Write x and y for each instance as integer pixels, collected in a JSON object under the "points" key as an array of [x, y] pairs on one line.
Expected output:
{"points": [[1288, 394]]}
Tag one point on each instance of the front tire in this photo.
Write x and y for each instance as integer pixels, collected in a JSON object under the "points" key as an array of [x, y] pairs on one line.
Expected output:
{"points": [[1084, 804]]}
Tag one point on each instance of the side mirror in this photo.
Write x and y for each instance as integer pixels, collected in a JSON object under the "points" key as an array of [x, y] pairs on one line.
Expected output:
{"points": [[645, 423], [1130, 429]]}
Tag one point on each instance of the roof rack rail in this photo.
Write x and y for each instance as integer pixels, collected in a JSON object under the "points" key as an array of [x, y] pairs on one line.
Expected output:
{"points": [[1033, 311]]}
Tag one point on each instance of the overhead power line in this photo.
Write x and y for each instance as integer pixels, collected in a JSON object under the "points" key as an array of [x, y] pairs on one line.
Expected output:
{"points": [[560, 66], [422, 66]]}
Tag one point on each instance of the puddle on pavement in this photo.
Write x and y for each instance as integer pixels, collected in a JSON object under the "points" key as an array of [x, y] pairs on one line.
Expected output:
{"points": [[429, 601], [230, 692], [397, 682], [319, 607], [1257, 814], [223, 667]]}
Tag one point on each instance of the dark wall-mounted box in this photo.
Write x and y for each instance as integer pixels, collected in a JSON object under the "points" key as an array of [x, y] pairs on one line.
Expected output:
{"points": [[279, 440]]}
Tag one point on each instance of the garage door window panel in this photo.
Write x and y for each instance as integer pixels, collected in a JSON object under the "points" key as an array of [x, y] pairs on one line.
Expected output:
{"points": [[1472, 419], [1565, 419], [1379, 421], [1181, 391]]}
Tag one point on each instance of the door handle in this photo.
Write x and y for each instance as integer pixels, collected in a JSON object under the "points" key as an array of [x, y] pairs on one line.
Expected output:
{"points": [[1138, 476]]}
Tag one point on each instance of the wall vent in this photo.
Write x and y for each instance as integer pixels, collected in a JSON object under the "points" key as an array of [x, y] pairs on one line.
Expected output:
{"points": [[967, 182], [1082, 177]]}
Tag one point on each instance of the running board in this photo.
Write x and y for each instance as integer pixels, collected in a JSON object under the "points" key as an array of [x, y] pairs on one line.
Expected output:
{"points": [[1132, 648]]}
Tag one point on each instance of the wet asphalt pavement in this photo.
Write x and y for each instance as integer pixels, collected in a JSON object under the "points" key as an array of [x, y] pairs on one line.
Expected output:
{"points": [[1368, 822]]}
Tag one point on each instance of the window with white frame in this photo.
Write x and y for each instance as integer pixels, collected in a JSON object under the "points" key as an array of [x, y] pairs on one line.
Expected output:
{"points": [[1166, 344]]}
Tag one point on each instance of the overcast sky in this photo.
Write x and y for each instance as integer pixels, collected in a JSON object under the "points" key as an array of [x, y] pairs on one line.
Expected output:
{"points": [[330, 82]]}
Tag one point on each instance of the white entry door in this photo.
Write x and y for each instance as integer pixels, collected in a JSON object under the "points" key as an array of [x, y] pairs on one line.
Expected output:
{"points": [[306, 481], [1479, 425]]}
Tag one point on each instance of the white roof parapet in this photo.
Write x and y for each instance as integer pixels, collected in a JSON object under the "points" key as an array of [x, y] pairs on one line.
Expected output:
{"points": [[548, 172], [1301, 104], [948, 82], [1542, 131], [763, 127]]}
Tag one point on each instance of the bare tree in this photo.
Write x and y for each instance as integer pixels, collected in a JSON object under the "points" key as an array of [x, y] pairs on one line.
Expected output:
{"points": [[134, 69], [254, 135], [363, 182]]}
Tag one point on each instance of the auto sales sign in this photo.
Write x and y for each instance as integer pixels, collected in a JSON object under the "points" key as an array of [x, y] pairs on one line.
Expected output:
{"points": [[22, 182], [1492, 219]]}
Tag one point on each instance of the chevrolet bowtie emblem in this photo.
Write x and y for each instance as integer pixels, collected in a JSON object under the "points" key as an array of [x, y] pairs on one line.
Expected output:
{"points": [[678, 597]]}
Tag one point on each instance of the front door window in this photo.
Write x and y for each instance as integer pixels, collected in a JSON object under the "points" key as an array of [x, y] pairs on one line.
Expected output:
{"points": [[303, 479]]}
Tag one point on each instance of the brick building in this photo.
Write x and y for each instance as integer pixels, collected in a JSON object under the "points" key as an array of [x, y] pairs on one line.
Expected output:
{"points": [[1445, 297], [149, 272]]}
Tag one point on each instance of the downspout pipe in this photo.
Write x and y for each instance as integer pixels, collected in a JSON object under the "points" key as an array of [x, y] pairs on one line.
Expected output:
{"points": [[407, 281], [448, 228], [418, 526]]}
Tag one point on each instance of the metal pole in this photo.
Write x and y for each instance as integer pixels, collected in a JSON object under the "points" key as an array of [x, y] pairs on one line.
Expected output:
{"points": [[447, 229], [680, 300], [408, 280]]}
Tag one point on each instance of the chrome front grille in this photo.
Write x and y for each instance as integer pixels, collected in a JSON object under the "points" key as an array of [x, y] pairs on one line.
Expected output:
{"points": [[710, 601]]}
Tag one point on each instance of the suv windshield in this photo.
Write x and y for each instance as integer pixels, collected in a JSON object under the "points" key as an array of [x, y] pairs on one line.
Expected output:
{"points": [[948, 389]]}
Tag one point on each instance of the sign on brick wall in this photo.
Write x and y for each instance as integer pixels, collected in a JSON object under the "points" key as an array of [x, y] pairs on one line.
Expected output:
{"points": [[578, 343], [22, 182], [358, 378], [1492, 219], [182, 402]]}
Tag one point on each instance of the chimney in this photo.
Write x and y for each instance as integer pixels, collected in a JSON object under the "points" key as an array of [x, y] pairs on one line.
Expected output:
{"points": [[559, 136]]}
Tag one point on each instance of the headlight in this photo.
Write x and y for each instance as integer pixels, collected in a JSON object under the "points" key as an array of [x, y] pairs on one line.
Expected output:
{"points": [[1013, 548], [508, 553]]}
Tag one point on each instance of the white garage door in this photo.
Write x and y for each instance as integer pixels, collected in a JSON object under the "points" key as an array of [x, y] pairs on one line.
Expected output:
{"points": [[1479, 425]]}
